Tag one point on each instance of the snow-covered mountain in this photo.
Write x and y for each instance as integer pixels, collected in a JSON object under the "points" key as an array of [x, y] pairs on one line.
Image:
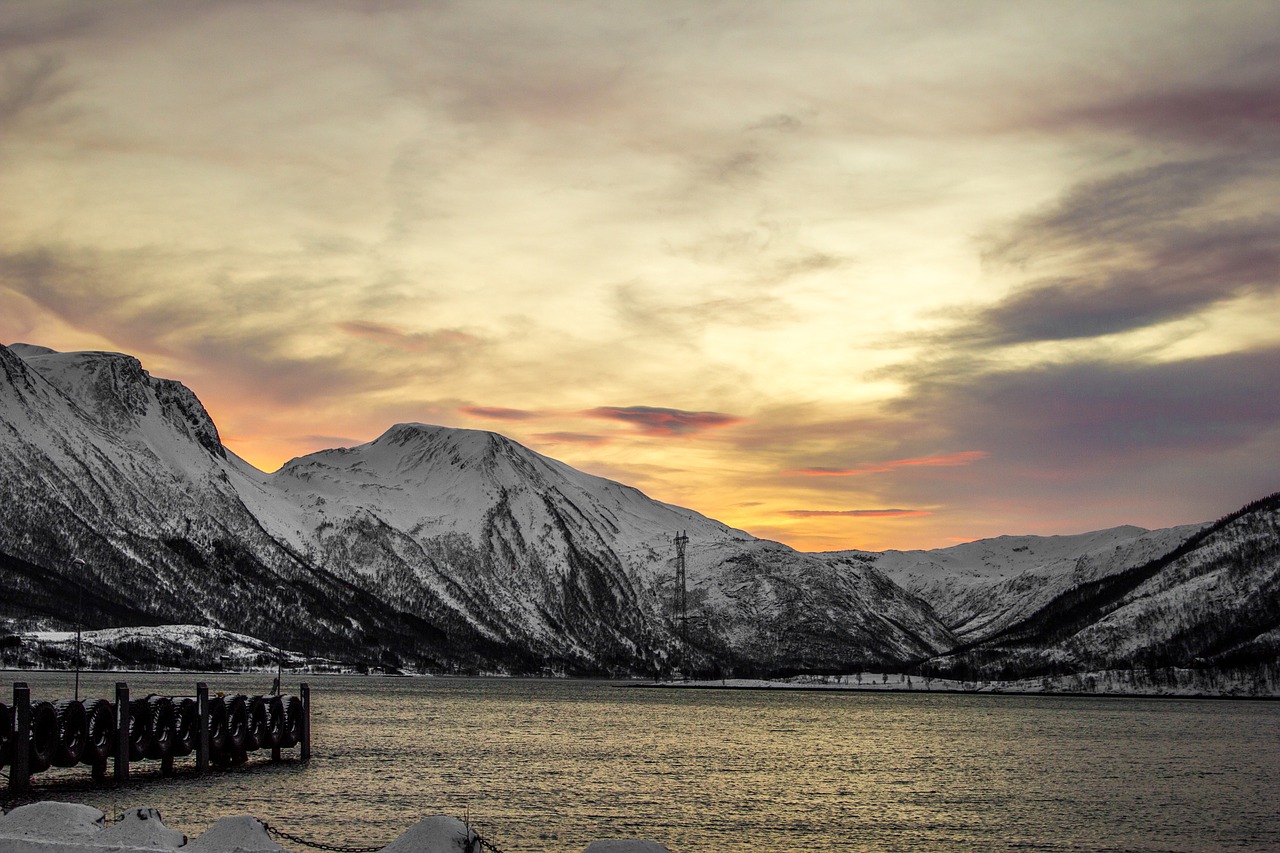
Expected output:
{"points": [[102, 463], [460, 549], [427, 545], [1214, 600], [982, 587]]}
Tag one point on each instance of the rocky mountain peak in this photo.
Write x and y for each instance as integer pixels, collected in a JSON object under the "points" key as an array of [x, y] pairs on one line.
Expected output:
{"points": [[115, 390]]}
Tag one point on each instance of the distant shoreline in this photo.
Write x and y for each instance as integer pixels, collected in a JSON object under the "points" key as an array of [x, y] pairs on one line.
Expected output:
{"points": [[939, 687], [782, 686]]}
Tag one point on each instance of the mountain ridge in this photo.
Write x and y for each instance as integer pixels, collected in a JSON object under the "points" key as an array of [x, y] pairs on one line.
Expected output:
{"points": [[462, 550], [466, 537]]}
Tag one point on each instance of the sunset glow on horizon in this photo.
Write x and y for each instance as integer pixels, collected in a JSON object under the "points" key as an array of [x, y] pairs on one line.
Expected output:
{"points": [[846, 275]]}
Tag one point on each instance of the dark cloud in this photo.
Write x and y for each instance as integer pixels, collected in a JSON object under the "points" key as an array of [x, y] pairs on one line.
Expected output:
{"points": [[44, 24], [856, 513], [1140, 249], [1099, 413], [1159, 243], [1231, 115], [1084, 445], [493, 413], [1190, 270], [664, 423], [29, 88], [1126, 209]]}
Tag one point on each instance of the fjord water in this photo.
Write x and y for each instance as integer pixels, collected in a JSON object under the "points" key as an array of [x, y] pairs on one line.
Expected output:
{"points": [[544, 765]]}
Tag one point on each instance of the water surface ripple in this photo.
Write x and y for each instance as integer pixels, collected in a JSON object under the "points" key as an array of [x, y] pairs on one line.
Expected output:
{"points": [[552, 765]]}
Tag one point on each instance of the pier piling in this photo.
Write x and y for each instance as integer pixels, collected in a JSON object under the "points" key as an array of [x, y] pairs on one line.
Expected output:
{"points": [[202, 736], [20, 751], [122, 733], [305, 754]]}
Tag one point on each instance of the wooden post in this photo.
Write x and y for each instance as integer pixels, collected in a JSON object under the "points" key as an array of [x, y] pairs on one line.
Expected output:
{"points": [[202, 738], [306, 722], [122, 733], [20, 745]]}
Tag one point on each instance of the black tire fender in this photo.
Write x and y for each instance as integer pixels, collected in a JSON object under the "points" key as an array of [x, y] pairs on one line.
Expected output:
{"points": [[99, 731], [71, 732], [44, 736]]}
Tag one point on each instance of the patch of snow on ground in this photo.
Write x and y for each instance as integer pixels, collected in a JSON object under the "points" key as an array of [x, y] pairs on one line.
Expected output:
{"points": [[48, 827]]}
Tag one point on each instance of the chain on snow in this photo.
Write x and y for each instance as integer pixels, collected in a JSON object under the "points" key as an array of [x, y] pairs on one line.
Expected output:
{"points": [[317, 845], [475, 845]]}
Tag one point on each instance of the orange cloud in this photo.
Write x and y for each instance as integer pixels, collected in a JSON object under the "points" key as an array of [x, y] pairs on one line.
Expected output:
{"points": [[945, 460], [495, 413], [662, 423], [856, 513]]}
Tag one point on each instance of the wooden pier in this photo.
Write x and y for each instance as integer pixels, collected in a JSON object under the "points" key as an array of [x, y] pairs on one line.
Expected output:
{"points": [[220, 731]]}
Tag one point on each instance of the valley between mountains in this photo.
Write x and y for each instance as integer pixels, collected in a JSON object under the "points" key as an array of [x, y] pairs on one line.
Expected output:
{"points": [[447, 550]]}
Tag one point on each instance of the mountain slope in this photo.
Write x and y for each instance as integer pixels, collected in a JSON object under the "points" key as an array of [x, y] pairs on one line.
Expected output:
{"points": [[1216, 597], [102, 463], [981, 588], [452, 549], [429, 545], [576, 565]]}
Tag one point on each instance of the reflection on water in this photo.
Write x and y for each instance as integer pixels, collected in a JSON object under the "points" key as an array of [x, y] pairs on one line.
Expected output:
{"points": [[550, 766]]}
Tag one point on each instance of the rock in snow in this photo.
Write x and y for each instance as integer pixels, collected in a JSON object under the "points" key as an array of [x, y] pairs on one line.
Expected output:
{"points": [[47, 827]]}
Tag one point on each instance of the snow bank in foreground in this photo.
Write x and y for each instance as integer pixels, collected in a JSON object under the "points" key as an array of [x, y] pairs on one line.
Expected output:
{"points": [[65, 828]]}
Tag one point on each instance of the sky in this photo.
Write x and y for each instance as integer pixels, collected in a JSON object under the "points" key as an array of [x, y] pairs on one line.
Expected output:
{"points": [[842, 274]]}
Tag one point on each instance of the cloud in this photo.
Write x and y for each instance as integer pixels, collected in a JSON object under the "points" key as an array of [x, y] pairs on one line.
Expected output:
{"points": [[651, 316], [1097, 414], [1085, 444], [664, 423], [37, 25], [421, 342], [778, 122], [329, 440], [856, 513], [128, 299], [1191, 270], [1136, 250], [1223, 114], [1125, 209], [29, 88], [579, 438], [494, 413], [945, 460]]}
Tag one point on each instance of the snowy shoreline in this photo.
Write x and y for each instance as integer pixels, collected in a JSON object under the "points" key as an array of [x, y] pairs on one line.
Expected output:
{"points": [[1063, 686], [52, 827]]}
